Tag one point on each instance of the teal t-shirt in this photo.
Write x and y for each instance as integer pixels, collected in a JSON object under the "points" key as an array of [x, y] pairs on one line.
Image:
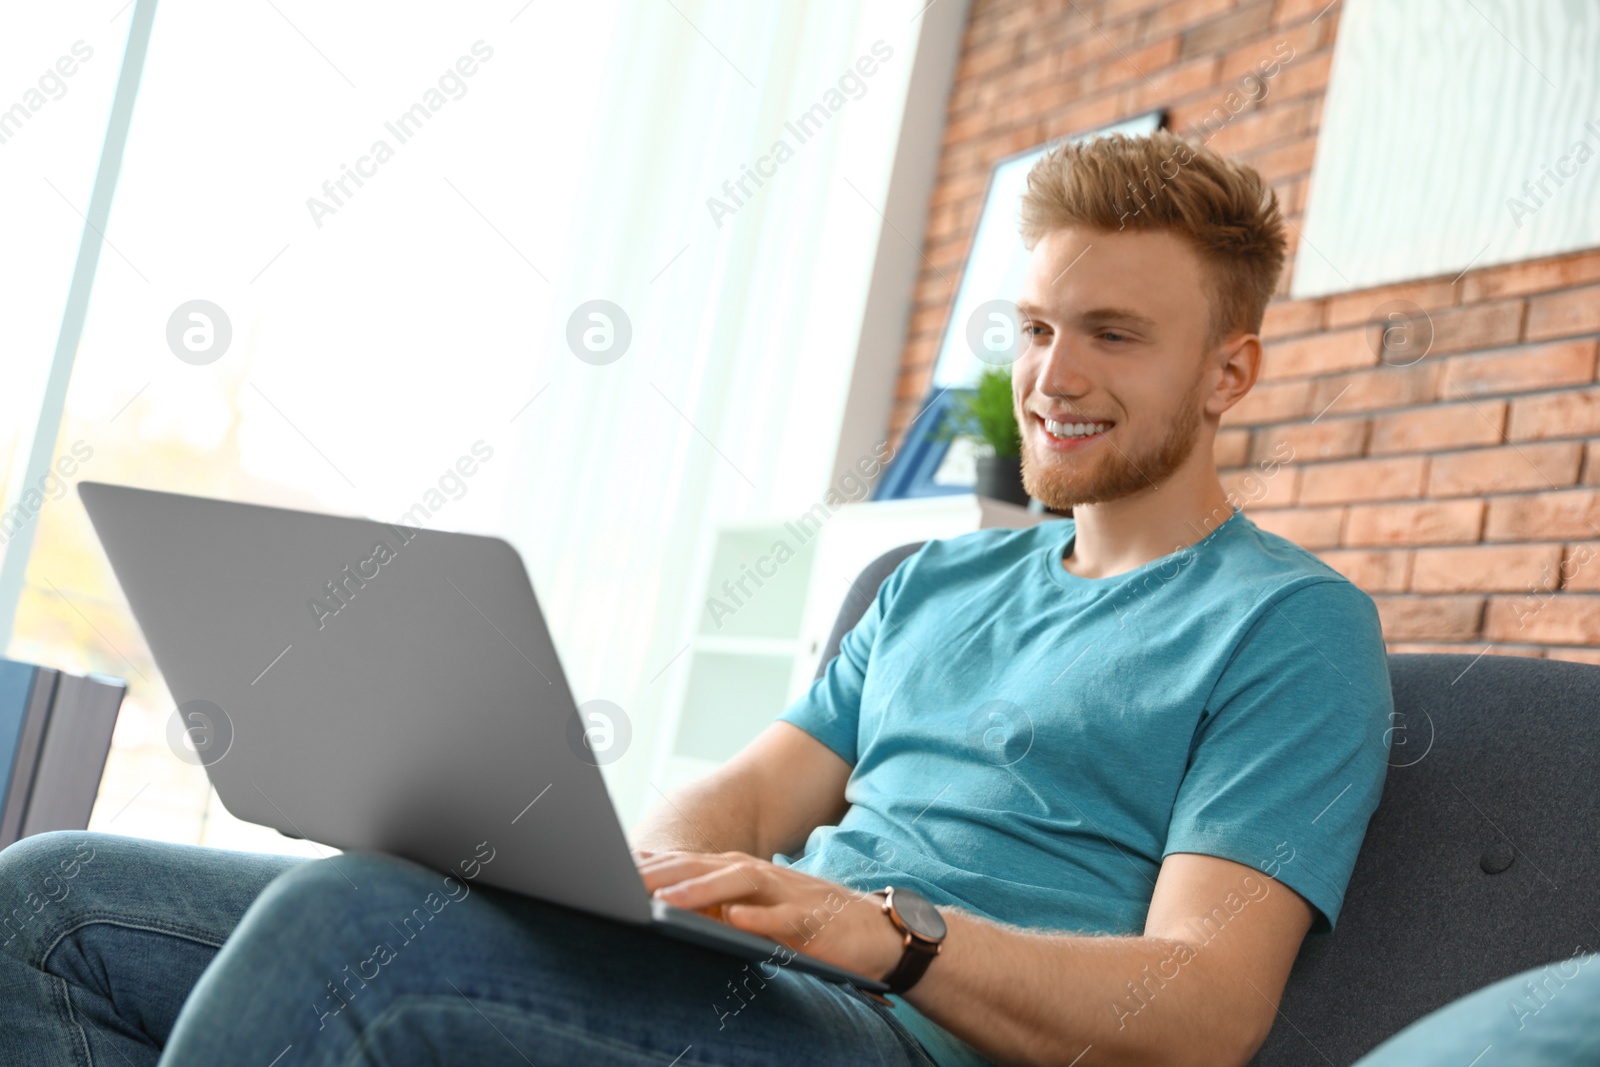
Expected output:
{"points": [[1029, 745]]}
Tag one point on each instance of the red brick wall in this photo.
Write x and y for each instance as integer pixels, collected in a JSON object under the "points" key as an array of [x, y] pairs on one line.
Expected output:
{"points": [[1462, 490]]}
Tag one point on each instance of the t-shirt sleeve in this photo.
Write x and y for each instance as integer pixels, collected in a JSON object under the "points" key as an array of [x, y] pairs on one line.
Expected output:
{"points": [[830, 710], [1289, 760]]}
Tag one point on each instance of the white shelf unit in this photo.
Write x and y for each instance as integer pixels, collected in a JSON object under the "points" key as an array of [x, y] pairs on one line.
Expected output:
{"points": [[740, 663], [747, 664]]}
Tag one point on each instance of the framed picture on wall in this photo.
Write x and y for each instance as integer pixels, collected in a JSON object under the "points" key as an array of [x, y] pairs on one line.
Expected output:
{"points": [[928, 464]]}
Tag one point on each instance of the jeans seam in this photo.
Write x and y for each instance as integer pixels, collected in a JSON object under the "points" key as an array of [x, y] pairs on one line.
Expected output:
{"points": [[64, 1005], [397, 1008], [113, 919], [63, 989], [887, 1014]]}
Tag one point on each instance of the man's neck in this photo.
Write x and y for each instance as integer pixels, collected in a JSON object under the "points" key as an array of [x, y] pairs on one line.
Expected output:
{"points": [[1117, 536]]}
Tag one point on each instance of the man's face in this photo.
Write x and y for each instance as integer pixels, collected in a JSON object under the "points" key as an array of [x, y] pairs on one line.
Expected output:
{"points": [[1114, 326]]}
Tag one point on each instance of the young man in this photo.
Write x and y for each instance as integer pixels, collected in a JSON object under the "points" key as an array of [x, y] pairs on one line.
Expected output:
{"points": [[1113, 768], [1130, 757]]}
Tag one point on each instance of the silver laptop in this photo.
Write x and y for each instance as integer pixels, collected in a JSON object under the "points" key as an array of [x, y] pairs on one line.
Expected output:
{"points": [[389, 689]]}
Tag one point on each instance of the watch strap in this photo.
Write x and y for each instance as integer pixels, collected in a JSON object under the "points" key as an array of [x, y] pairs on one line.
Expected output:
{"points": [[914, 960], [913, 963]]}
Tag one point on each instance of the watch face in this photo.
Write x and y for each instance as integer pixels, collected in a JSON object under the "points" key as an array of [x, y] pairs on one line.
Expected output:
{"points": [[923, 918]]}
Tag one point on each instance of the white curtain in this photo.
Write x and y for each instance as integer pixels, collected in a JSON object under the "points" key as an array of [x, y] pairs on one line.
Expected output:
{"points": [[727, 402]]}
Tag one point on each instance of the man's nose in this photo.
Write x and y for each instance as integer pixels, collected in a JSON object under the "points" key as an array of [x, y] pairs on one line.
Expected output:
{"points": [[1058, 371]]}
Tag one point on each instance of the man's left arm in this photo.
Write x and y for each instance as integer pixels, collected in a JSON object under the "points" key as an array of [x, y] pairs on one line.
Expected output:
{"points": [[1199, 986]]}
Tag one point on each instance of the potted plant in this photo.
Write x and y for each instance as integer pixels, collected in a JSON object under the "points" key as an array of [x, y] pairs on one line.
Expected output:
{"points": [[989, 413]]}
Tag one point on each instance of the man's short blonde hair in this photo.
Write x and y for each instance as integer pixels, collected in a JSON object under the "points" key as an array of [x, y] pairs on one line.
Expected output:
{"points": [[1222, 207]]}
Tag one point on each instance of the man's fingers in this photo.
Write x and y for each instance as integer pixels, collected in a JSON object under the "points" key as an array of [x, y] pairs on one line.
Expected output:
{"points": [[751, 917], [725, 883], [668, 868], [775, 921], [665, 868]]}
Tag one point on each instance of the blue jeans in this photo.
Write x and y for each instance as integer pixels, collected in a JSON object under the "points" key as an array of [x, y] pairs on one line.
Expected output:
{"points": [[120, 952]]}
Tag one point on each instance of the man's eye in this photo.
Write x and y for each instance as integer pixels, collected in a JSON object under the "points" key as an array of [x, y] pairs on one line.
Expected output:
{"points": [[1113, 335]]}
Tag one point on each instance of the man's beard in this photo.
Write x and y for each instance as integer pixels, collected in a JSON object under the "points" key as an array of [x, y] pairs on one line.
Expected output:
{"points": [[1066, 481]]}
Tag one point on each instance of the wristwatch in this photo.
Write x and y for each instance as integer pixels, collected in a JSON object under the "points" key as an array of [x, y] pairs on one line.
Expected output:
{"points": [[923, 928]]}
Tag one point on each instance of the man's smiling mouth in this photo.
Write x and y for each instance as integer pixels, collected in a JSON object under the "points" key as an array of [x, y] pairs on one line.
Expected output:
{"points": [[1074, 429]]}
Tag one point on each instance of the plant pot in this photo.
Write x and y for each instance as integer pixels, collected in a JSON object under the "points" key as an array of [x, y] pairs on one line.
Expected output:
{"points": [[1000, 478]]}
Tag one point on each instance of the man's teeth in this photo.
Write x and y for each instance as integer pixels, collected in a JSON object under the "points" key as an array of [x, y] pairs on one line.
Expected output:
{"points": [[1074, 429]]}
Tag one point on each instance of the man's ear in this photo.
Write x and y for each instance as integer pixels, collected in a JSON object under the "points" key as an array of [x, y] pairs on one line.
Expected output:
{"points": [[1238, 358]]}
